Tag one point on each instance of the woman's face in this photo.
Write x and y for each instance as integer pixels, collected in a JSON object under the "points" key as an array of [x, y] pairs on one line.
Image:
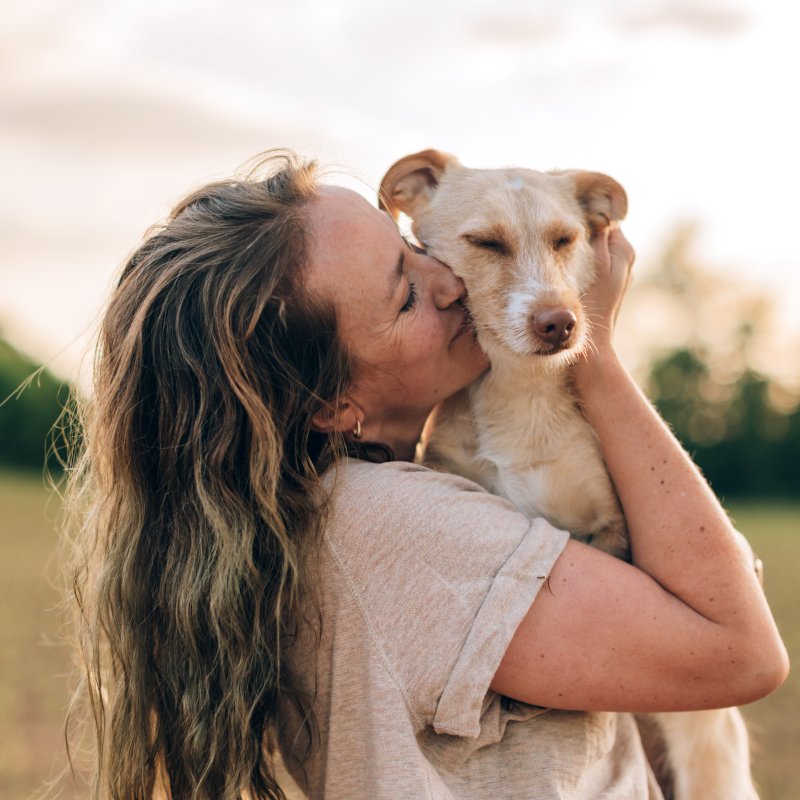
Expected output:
{"points": [[400, 312]]}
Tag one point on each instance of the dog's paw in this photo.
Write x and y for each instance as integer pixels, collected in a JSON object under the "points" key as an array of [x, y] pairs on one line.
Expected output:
{"points": [[611, 538]]}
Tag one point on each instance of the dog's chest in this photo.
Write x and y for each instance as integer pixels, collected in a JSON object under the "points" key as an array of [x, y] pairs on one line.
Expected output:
{"points": [[533, 447]]}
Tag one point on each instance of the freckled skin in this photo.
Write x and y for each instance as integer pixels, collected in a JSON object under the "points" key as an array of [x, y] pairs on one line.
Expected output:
{"points": [[408, 356]]}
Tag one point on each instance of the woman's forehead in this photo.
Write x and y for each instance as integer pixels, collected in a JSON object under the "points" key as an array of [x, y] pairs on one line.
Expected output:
{"points": [[354, 247], [335, 203], [342, 224]]}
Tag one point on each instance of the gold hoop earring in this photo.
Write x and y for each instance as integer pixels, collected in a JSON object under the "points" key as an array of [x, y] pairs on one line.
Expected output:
{"points": [[357, 434]]}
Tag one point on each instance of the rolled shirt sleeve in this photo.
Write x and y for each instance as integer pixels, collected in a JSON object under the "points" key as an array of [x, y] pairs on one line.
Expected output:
{"points": [[442, 573]]}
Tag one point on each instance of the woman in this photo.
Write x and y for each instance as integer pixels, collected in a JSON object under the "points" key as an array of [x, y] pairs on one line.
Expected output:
{"points": [[243, 582]]}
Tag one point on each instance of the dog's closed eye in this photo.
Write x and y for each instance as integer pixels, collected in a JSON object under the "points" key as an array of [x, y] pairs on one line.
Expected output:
{"points": [[562, 242], [491, 240], [562, 238]]}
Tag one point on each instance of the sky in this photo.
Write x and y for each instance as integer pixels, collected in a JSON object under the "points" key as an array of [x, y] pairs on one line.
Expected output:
{"points": [[111, 111]]}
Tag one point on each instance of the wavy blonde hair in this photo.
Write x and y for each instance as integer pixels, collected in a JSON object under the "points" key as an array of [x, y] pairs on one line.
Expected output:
{"points": [[197, 492]]}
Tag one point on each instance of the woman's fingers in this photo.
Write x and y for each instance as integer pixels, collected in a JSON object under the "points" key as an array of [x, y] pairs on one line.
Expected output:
{"points": [[620, 250], [621, 258], [602, 254], [613, 261]]}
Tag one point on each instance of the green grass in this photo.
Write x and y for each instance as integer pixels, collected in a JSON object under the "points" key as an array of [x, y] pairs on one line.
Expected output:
{"points": [[34, 667], [774, 532]]}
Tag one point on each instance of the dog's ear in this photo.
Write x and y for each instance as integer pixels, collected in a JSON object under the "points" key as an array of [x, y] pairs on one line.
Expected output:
{"points": [[603, 200], [410, 182]]}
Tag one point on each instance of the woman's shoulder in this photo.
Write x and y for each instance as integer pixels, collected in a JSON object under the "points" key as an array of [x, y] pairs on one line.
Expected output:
{"points": [[419, 510], [394, 480], [402, 494]]}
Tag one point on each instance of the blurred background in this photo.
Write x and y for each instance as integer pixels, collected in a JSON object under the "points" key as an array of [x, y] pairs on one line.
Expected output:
{"points": [[111, 111]]}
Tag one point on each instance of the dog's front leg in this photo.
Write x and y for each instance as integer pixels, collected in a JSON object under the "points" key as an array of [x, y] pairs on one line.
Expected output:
{"points": [[706, 754]]}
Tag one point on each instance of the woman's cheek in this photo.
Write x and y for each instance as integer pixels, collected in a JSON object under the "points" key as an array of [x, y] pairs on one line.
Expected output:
{"points": [[437, 333], [434, 340]]}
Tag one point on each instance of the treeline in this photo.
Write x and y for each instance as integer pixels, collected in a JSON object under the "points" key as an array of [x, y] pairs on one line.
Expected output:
{"points": [[742, 442], [741, 424], [722, 369], [31, 403]]}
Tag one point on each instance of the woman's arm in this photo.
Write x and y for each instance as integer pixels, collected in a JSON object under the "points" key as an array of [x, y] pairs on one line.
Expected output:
{"points": [[686, 626]]}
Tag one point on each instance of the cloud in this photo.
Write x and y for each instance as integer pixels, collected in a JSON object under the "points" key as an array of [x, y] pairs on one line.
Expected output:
{"points": [[705, 19], [514, 29], [99, 119]]}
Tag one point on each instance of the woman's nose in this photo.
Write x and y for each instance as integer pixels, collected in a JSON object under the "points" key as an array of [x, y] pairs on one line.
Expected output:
{"points": [[447, 288]]}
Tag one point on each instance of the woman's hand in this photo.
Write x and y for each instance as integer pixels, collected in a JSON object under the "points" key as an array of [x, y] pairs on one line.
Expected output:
{"points": [[614, 258], [686, 625]]}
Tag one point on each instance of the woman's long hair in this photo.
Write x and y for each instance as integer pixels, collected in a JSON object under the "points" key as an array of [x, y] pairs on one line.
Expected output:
{"points": [[197, 492]]}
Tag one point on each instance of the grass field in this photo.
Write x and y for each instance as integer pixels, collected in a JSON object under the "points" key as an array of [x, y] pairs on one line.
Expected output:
{"points": [[774, 533], [34, 667]]}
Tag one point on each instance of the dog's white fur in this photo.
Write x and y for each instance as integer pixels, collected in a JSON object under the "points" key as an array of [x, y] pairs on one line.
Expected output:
{"points": [[520, 241]]}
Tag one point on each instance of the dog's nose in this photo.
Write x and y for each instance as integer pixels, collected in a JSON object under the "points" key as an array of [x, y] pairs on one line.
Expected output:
{"points": [[554, 325]]}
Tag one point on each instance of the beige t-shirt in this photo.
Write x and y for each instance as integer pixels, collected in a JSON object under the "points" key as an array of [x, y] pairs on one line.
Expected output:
{"points": [[422, 579]]}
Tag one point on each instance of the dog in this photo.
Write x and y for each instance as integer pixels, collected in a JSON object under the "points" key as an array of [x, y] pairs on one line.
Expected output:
{"points": [[520, 241]]}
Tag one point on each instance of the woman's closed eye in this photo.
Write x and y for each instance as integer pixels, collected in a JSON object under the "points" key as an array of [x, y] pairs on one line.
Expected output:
{"points": [[413, 295], [411, 299]]}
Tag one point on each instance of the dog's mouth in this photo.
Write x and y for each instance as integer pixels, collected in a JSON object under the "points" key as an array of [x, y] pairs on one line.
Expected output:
{"points": [[541, 349], [558, 342], [525, 343]]}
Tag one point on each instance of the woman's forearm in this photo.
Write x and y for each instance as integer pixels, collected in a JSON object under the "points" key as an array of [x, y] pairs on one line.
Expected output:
{"points": [[680, 535], [687, 626]]}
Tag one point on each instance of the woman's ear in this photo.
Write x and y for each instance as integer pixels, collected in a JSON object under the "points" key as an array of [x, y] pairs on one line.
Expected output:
{"points": [[341, 417]]}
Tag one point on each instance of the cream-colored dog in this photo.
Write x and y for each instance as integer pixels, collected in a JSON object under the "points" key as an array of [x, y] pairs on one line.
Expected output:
{"points": [[519, 239]]}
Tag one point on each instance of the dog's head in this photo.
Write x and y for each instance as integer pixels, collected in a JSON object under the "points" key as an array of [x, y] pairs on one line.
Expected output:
{"points": [[519, 240]]}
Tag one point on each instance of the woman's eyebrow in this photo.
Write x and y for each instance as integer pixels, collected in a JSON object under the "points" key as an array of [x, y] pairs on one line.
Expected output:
{"points": [[395, 275]]}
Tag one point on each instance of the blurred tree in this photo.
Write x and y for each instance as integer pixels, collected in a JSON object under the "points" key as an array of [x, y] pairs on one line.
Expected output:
{"points": [[743, 444], [707, 385], [31, 401]]}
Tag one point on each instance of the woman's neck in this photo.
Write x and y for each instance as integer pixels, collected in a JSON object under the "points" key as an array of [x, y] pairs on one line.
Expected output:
{"points": [[401, 434]]}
